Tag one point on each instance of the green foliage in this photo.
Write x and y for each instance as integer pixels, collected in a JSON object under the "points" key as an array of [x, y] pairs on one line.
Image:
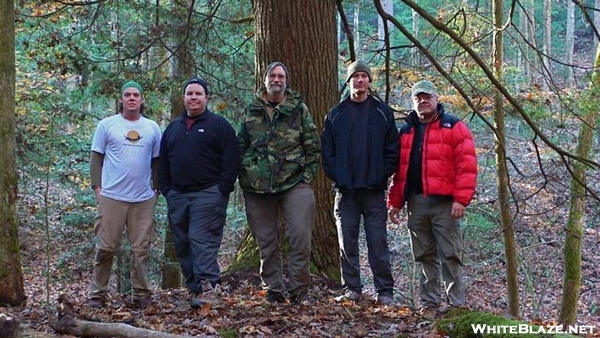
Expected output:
{"points": [[228, 333]]}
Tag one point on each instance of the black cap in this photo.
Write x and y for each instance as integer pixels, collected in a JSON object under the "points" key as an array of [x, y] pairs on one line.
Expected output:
{"points": [[198, 81]]}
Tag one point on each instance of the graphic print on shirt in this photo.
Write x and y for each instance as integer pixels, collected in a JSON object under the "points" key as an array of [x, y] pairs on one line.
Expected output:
{"points": [[133, 136]]}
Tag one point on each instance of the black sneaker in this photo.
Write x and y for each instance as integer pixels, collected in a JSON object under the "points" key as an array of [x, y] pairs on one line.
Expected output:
{"points": [[275, 297]]}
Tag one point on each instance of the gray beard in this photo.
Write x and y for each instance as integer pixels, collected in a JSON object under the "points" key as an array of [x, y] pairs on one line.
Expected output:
{"points": [[275, 90]]}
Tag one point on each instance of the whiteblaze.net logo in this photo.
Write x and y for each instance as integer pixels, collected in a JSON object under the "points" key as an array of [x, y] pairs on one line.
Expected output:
{"points": [[530, 329]]}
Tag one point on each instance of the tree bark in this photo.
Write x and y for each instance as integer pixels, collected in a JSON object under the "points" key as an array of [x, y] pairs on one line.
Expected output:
{"points": [[547, 50], [11, 275], [311, 57], [510, 251], [570, 42], [574, 234]]}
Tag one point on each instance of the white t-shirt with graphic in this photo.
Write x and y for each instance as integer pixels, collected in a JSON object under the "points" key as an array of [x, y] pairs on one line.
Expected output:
{"points": [[128, 148]]}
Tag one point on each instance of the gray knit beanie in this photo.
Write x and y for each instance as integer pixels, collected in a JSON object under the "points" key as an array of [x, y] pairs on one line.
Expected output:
{"points": [[358, 66]]}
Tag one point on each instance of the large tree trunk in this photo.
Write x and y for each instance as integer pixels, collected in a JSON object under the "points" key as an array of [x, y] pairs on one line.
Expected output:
{"points": [[512, 277], [574, 234], [11, 276], [311, 57]]}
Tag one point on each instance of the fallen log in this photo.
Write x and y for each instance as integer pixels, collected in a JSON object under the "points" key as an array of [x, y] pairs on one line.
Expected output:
{"points": [[82, 328], [68, 324]]}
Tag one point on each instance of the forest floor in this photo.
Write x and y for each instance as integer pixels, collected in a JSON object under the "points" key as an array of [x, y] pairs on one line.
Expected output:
{"points": [[245, 314]]}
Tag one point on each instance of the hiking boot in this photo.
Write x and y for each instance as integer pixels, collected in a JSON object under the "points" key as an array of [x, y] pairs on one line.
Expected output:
{"points": [[429, 312], [195, 302], [96, 303], [349, 295], [274, 297], [385, 299], [300, 297], [210, 296]]}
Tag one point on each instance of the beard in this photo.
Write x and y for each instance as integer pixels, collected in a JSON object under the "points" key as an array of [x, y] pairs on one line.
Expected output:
{"points": [[275, 89]]}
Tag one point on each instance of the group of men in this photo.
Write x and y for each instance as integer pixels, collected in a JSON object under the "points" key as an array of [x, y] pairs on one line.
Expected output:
{"points": [[275, 155]]}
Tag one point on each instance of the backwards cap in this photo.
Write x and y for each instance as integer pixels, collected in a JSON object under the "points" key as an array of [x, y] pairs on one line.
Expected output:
{"points": [[132, 84]]}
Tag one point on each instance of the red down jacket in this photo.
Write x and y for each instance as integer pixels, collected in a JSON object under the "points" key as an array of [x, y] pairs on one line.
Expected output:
{"points": [[449, 161]]}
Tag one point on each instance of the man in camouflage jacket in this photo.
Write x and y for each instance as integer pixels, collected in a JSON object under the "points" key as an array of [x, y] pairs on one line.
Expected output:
{"points": [[280, 157]]}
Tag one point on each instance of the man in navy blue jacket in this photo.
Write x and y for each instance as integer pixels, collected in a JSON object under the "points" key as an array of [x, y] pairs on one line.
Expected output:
{"points": [[198, 166], [359, 153]]}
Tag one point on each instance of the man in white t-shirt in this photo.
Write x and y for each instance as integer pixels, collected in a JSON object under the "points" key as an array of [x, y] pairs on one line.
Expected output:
{"points": [[125, 148]]}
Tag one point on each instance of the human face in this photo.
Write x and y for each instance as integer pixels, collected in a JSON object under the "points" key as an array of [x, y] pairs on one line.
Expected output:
{"points": [[195, 99], [276, 81], [131, 100], [359, 83], [425, 105]]}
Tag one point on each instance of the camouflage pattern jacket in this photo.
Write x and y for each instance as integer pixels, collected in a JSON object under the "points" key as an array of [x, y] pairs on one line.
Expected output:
{"points": [[281, 152]]}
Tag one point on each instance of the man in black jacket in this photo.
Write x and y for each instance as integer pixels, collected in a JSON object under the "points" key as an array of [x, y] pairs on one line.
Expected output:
{"points": [[200, 159], [359, 153]]}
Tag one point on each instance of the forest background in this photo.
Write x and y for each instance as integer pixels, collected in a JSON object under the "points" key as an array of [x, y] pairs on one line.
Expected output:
{"points": [[528, 107]]}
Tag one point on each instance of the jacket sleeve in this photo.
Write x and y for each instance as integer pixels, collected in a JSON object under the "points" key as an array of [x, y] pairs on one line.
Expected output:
{"points": [[328, 148], [311, 145], [163, 172], [465, 165], [231, 159], [391, 150]]}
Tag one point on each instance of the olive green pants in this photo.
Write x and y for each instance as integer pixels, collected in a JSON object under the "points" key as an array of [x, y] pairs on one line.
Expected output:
{"points": [[437, 244], [297, 206]]}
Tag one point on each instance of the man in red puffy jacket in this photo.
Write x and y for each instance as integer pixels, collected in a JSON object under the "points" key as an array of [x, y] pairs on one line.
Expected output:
{"points": [[436, 178]]}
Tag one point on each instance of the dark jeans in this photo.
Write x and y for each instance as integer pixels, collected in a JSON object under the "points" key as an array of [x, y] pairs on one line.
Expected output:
{"points": [[349, 207], [197, 220]]}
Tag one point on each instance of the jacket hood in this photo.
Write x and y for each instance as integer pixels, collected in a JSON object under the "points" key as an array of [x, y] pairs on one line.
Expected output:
{"points": [[292, 100]]}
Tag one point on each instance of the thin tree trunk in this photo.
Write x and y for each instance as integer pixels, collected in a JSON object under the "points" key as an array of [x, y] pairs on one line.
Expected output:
{"points": [[181, 69], [415, 31], [547, 50], [388, 7], [512, 280], [574, 234], [570, 42]]}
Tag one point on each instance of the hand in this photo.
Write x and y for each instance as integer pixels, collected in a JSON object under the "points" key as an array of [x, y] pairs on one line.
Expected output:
{"points": [[458, 210], [97, 190], [394, 215]]}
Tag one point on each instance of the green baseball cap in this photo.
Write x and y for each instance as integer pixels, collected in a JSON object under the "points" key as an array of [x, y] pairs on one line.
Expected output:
{"points": [[426, 87]]}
